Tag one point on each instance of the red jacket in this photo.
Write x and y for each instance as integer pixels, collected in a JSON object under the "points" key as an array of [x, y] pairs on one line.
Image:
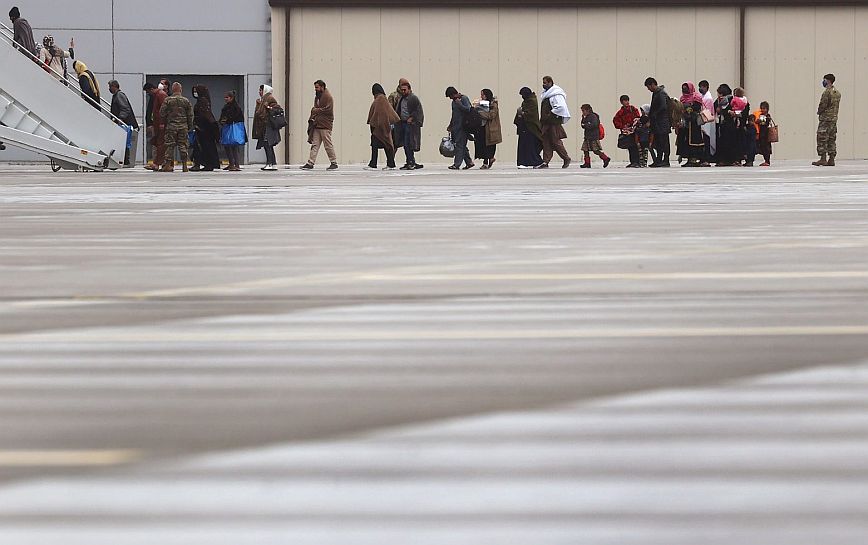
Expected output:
{"points": [[625, 117], [160, 96]]}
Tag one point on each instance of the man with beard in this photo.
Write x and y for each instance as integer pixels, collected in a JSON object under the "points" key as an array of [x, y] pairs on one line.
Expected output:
{"points": [[553, 115], [320, 125]]}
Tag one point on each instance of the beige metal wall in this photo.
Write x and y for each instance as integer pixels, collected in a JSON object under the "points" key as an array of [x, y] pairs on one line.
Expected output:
{"points": [[594, 54], [788, 50]]}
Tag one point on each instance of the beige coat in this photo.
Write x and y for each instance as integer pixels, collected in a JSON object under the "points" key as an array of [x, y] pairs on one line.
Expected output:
{"points": [[493, 133]]}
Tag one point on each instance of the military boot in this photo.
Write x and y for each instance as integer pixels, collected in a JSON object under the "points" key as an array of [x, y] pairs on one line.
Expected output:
{"points": [[184, 166], [168, 167], [821, 162], [831, 161]]}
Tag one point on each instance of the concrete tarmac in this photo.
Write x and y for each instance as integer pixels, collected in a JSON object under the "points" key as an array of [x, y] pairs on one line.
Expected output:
{"points": [[550, 357]]}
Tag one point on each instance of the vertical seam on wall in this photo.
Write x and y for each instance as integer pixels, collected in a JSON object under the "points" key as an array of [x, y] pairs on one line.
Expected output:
{"points": [[113, 39], [853, 120]]}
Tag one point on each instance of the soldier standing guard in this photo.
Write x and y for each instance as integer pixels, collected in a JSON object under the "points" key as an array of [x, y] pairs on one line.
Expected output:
{"points": [[177, 114], [827, 130]]}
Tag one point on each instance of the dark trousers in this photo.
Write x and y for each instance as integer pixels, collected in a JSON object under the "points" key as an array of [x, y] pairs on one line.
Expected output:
{"points": [[233, 153], [269, 154], [409, 144], [706, 152], [462, 154], [661, 147], [375, 152], [634, 154]]}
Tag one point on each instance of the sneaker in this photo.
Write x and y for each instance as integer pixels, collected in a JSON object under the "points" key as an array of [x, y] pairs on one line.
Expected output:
{"points": [[453, 167], [269, 168], [468, 167], [765, 165], [633, 165], [387, 167], [370, 167], [543, 165], [307, 166], [417, 166], [408, 167], [333, 166]]}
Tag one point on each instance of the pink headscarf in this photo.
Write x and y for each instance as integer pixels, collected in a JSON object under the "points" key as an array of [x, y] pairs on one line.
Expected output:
{"points": [[739, 104], [692, 94]]}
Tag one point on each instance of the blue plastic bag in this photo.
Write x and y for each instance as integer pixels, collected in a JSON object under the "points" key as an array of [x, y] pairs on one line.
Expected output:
{"points": [[233, 135], [129, 130], [191, 138]]}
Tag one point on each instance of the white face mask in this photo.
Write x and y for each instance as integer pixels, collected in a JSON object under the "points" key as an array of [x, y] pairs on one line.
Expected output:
{"points": [[161, 87]]}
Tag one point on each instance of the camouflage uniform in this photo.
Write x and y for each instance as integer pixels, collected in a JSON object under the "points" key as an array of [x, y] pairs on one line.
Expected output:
{"points": [[827, 130], [177, 114]]}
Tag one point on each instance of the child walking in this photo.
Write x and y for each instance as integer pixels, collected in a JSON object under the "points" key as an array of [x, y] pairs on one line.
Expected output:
{"points": [[591, 124], [764, 121]]}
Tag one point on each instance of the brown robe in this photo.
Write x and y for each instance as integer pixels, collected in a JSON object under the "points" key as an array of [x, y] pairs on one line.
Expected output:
{"points": [[381, 117], [323, 112]]}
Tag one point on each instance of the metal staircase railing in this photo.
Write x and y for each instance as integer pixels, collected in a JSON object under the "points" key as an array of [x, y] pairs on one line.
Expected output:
{"points": [[8, 36]]}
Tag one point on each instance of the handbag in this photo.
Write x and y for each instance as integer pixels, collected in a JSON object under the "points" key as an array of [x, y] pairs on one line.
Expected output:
{"points": [[233, 134], [774, 135], [447, 147], [707, 115], [277, 118], [626, 141]]}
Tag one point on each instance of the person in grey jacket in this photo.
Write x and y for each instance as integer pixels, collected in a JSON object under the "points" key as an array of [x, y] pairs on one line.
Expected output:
{"points": [[460, 108], [409, 129], [661, 122], [23, 34]]}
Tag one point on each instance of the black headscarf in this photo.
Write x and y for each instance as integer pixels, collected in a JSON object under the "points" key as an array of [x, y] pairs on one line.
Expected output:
{"points": [[202, 109], [489, 94], [377, 89], [525, 92]]}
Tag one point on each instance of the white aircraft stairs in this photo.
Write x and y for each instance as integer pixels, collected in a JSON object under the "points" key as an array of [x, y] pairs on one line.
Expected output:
{"points": [[39, 113]]}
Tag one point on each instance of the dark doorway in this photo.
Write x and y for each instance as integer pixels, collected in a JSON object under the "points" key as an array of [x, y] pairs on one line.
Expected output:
{"points": [[217, 86]]}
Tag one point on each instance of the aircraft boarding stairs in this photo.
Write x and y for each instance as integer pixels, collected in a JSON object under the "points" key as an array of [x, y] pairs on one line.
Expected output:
{"points": [[39, 113]]}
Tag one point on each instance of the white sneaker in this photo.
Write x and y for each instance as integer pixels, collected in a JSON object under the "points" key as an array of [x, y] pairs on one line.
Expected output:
{"points": [[269, 168], [390, 168]]}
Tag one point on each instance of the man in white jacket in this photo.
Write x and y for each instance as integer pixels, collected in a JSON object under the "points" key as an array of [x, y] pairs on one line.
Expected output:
{"points": [[554, 114]]}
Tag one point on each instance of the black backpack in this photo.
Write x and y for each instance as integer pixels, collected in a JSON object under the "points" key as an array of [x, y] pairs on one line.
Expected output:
{"points": [[472, 120]]}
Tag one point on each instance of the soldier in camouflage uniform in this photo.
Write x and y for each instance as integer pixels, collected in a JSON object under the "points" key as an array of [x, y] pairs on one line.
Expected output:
{"points": [[827, 130], [177, 114]]}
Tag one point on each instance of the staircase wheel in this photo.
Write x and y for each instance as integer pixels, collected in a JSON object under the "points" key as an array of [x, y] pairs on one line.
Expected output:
{"points": [[54, 166]]}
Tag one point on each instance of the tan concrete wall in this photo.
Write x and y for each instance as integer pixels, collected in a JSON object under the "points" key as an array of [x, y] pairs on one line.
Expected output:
{"points": [[788, 52], [595, 54]]}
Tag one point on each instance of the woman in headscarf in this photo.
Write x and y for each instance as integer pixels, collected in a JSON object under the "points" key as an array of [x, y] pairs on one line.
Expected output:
{"points": [[205, 156], [266, 136], [690, 141], [87, 82], [529, 130], [727, 129], [382, 119], [490, 134], [230, 115], [54, 58]]}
